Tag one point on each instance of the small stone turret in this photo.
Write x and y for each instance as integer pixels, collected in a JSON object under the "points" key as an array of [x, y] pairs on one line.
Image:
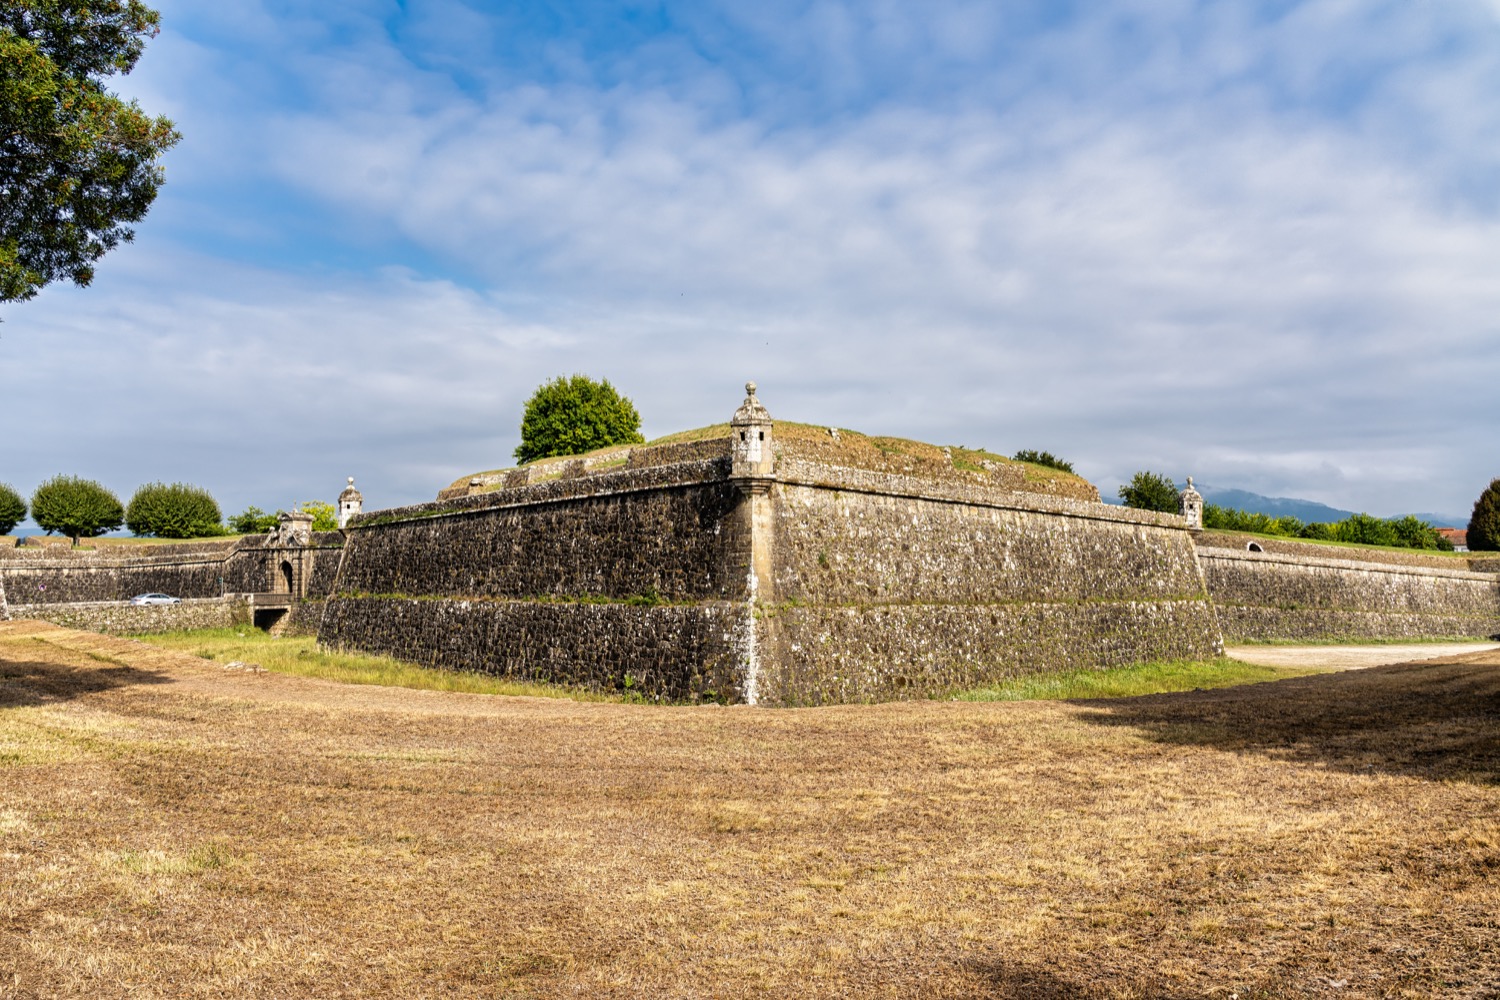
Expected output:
{"points": [[1190, 504], [293, 529], [351, 502], [751, 451]]}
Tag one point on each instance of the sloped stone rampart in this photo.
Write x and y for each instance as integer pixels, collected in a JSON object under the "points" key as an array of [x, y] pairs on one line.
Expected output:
{"points": [[896, 588], [832, 655], [668, 535], [1267, 596], [302, 618], [116, 618], [663, 652], [844, 546]]}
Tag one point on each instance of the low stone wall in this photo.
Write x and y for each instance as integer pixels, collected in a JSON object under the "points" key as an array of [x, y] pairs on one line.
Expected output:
{"points": [[663, 652], [1294, 596], [58, 574], [124, 619], [62, 575]]}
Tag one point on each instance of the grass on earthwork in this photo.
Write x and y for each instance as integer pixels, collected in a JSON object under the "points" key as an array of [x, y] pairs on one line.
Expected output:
{"points": [[303, 657], [1332, 543], [1424, 640], [171, 829], [1129, 682]]}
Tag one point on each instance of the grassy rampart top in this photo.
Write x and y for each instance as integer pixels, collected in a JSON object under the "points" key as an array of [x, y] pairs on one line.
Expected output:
{"points": [[828, 446]]}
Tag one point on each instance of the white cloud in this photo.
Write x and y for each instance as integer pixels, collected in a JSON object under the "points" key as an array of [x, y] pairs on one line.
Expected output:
{"points": [[1175, 258]]}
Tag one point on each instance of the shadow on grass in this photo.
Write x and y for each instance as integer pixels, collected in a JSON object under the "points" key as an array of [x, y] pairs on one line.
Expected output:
{"points": [[32, 682], [1004, 980], [1438, 720]]}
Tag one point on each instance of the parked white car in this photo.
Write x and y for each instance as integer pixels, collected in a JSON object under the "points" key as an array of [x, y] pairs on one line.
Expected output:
{"points": [[155, 599]]}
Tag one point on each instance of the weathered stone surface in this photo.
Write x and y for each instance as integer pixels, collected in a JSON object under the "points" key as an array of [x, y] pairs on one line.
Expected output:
{"points": [[1266, 624], [822, 655], [123, 619], [1276, 595], [842, 546], [874, 586], [55, 575], [664, 652], [623, 535]]}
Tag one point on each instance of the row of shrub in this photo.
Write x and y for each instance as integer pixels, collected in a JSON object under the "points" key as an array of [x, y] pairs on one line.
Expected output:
{"points": [[82, 508], [1365, 529]]}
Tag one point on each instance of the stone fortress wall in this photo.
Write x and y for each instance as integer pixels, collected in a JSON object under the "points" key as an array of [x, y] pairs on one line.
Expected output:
{"points": [[749, 569], [776, 564], [628, 579], [1304, 592], [217, 578]]}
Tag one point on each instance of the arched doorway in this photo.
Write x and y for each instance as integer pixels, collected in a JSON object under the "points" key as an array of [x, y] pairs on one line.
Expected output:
{"points": [[286, 577]]}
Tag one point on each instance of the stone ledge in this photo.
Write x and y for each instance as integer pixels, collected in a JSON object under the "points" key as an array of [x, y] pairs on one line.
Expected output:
{"points": [[1342, 565], [797, 472], [623, 481]]}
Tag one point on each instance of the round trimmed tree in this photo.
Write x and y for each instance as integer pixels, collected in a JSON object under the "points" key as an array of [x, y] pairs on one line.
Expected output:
{"points": [[177, 510], [1484, 523], [12, 509], [574, 414], [77, 508], [1151, 491]]}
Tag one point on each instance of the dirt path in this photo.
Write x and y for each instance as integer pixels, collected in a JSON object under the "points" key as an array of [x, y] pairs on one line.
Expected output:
{"points": [[169, 829], [1354, 657]]}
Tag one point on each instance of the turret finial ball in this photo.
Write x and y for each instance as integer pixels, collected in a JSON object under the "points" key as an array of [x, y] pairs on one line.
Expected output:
{"points": [[749, 388]]}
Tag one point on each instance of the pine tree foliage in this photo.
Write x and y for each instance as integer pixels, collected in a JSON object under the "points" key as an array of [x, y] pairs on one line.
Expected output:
{"points": [[1484, 523], [77, 163]]}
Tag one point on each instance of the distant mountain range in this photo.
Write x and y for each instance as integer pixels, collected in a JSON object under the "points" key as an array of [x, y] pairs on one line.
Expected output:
{"points": [[1302, 510]]}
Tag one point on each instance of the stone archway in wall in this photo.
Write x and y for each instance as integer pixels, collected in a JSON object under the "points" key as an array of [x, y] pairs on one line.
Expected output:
{"points": [[287, 578]]}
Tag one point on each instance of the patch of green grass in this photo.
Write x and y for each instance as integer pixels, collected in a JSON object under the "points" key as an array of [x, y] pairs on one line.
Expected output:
{"points": [[302, 656], [1130, 682]]}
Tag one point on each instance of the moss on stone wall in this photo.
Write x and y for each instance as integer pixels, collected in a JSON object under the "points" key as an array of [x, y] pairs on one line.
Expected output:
{"points": [[823, 655], [662, 653]]}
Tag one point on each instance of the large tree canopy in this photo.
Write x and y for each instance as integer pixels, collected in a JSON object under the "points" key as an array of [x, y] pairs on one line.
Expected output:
{"points": [[1151, 491], [78, 508], [76, 162], [572, 415]]}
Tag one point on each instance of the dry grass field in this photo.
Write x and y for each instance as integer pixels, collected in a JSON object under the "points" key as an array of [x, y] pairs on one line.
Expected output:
{"points": [[172, 828]]}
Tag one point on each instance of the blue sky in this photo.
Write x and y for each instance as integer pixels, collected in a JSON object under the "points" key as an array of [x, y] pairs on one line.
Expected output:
{"points": [[1256, 243]]}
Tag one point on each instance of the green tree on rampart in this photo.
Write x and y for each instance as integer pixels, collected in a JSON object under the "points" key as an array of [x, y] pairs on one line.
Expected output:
{"points": [[12, 509], [77, 508], [1484, 523], [173, 511], [1043, 458], [573, 415], [325, 515], [1151, 491], [252, 521], [76, 162]]}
